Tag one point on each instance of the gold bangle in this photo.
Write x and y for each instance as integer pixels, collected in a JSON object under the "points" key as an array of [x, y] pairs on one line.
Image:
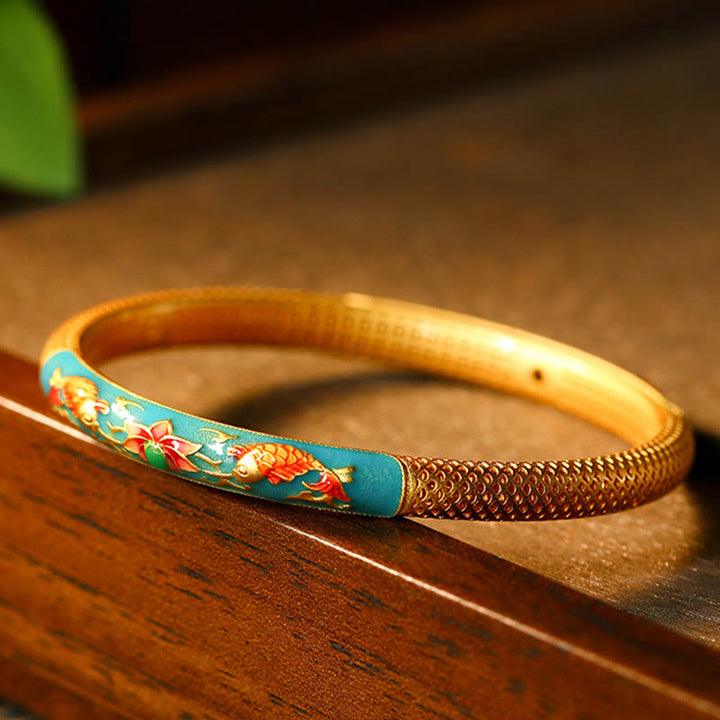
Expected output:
{"points": [[360, 481]]}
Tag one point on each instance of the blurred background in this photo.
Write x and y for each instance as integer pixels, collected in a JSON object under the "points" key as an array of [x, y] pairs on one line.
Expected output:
{"points": [[153, 83]]}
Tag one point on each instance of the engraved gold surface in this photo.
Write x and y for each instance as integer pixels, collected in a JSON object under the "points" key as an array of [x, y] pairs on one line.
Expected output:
{"points": [[438, 342]]}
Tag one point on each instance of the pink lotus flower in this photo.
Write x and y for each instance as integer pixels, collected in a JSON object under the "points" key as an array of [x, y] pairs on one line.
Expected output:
{"points": [[157, 446]]}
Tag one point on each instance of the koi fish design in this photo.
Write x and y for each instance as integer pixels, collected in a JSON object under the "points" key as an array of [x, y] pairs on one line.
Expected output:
{"points": [[283, 463], [78, 397]]}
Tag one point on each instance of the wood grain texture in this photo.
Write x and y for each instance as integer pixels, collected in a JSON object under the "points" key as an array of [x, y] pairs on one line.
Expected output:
{"points": [[142, 596]]}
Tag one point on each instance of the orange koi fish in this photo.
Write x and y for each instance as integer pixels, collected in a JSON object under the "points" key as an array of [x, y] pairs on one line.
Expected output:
{"points": [[283, 463], [80, 397]]}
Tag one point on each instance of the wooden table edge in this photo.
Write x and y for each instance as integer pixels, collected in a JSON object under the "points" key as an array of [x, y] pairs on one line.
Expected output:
{"points": [[476, 595]]}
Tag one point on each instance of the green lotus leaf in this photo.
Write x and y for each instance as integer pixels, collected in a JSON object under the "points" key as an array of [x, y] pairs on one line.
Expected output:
{"points": [[39, 148]]}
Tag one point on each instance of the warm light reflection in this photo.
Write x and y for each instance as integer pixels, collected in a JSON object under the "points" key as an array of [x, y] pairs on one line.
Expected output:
{"points": [[506, 344]]}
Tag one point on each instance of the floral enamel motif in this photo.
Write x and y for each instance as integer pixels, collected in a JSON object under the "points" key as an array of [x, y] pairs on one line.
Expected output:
{"points": [[158, 446], [76, 397]]}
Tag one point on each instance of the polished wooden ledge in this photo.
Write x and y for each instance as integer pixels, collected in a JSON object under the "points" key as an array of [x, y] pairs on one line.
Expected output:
{"points": [[128, 594]]}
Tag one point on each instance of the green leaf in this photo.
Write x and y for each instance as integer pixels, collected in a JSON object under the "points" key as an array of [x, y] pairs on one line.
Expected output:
{"points": [[39, 148]]}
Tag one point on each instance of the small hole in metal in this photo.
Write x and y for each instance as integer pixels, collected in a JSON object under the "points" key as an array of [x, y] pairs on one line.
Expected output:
{"points": [[537, 375]]}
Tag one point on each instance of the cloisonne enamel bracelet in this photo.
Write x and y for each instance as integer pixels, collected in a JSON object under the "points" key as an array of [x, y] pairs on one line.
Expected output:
{"points": [[360, 481]]}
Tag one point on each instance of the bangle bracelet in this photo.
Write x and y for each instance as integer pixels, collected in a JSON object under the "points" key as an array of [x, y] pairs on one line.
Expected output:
{"points": [[360, 481]]}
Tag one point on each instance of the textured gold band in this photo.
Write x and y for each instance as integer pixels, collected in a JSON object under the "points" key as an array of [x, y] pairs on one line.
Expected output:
{"points": [[441, 343]]}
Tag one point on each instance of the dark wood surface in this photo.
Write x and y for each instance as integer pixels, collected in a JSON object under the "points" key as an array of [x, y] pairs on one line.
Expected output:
{"points": [[135, 595]]}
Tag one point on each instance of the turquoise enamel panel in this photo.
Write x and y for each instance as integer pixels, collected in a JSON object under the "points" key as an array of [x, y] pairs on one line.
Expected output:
{"points": [[219, 455]]}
